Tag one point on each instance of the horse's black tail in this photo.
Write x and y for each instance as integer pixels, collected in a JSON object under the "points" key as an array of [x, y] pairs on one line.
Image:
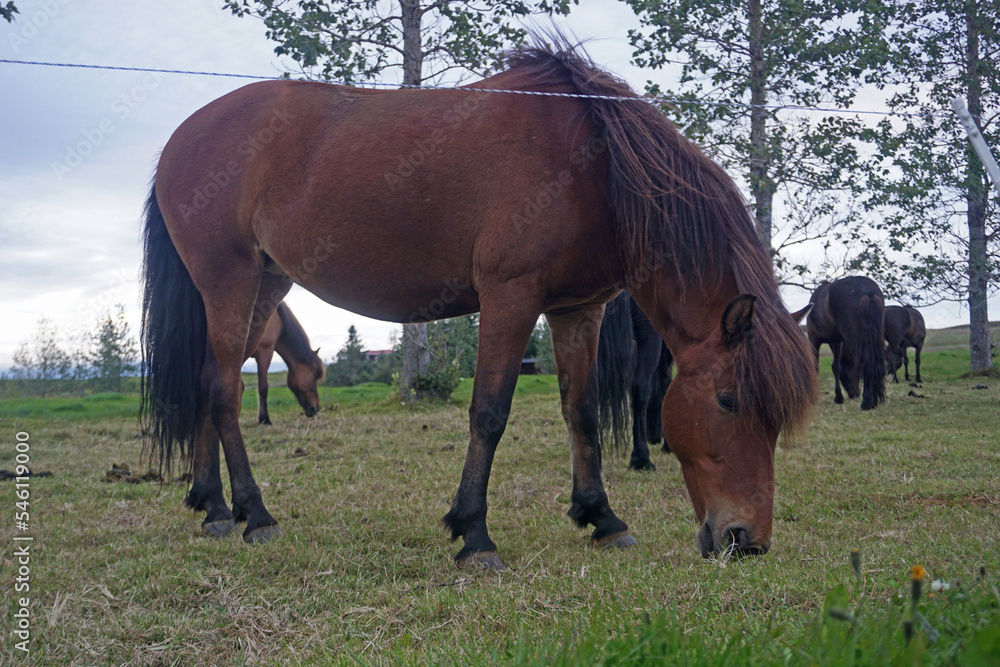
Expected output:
{"points": [[871, 355], [172, 334], [615, 368]]}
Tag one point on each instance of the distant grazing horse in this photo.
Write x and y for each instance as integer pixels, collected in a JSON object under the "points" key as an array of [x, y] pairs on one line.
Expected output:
{"points": [[634, 375], [904, 327], [284, 335], [847, 315], [410, 205]]}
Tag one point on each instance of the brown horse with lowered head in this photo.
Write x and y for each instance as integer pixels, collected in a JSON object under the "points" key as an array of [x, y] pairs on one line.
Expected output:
{"points": [[284, 335], [414, 204]]}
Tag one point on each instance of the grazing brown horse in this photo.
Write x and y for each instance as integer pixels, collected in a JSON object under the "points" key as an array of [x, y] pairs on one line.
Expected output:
{"points": [[847, 315], [904, 327], [634, 374], [284, 335], [419, 204]]}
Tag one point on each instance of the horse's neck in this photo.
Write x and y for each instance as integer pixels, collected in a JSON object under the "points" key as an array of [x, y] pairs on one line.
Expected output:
{"points": [[684, 316], [290, 351]]}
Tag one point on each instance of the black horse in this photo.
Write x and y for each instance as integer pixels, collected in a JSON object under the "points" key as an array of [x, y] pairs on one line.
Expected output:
{"points": [[634, 367], [848, 315], [904, 327]]}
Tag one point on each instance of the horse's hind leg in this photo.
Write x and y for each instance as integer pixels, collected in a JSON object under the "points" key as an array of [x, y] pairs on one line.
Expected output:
{"points": [[206, 486], [661, 383], [838, 349], [236, 315], [503, 337], [916, 361], [574, 341], [646, 361]]}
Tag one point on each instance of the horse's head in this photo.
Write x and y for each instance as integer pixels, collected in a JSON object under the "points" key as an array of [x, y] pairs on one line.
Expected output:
{"points": [[724, 433], [303, 380]]}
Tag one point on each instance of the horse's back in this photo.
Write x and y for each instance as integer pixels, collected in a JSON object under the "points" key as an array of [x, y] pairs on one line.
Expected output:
{"points": [[820, 325], [918, 330], [433, 196], [897, 323]]}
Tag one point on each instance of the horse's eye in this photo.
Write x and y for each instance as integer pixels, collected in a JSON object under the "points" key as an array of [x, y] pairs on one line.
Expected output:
{"points": [[726, 401]]}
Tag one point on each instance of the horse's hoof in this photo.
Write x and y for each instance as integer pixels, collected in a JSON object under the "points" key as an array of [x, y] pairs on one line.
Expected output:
{"points": [[642, 466], [481, 560], [838, 399], [218, 529], [620, 540], [262, 534]]}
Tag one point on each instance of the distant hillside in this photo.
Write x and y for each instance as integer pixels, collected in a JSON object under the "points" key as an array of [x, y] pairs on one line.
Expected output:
{"points": [[955, 337]]}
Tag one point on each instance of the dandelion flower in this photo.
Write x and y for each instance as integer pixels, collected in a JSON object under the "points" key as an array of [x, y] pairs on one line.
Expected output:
{"points": [[939, 586], [917, 576]]}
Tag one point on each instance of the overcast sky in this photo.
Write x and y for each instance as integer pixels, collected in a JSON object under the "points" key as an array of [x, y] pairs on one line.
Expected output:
{"points": [[78, 148]]}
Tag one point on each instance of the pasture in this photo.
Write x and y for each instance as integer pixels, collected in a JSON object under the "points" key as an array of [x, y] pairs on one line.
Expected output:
{"points": [[363, 572]]}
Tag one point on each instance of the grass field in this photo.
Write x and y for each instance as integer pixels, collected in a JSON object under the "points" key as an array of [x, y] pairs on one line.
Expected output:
{"points": [[364, 573]]}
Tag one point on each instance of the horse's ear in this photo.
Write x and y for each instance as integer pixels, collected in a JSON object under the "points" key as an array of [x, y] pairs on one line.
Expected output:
{"points": [[316, 351], [800, 315], [737, 319]]}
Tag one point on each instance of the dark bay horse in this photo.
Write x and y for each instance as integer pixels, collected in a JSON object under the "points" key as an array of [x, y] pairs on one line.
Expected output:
{"points": [[412, 205], [284, 335], [633, 377], [904, 327], [848, 316]]}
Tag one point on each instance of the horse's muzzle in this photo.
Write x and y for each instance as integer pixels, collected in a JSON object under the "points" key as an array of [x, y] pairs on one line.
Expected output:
{"points": [[311, 410], [735, 542]]}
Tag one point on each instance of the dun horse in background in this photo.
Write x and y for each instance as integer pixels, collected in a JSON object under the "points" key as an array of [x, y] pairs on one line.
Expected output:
{"points": [[847, 315], [284, 335], [633, 375], [411, 205], [904, 327]]}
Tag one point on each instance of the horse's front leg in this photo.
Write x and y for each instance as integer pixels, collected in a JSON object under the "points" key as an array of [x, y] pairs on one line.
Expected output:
{"points": [[574, 342], [263, 358], [503, 337]]}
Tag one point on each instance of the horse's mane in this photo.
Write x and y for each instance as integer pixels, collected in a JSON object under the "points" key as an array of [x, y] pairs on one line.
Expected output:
{"points": [[675, 208], [295, 336]]}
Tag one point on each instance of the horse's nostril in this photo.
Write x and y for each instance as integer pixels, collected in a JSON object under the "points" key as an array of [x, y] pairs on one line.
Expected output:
{"points": [[739, 544], [737, 536]]}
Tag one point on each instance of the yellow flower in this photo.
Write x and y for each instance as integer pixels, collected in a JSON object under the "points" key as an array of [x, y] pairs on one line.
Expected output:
{"points": [[917, 576]]}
